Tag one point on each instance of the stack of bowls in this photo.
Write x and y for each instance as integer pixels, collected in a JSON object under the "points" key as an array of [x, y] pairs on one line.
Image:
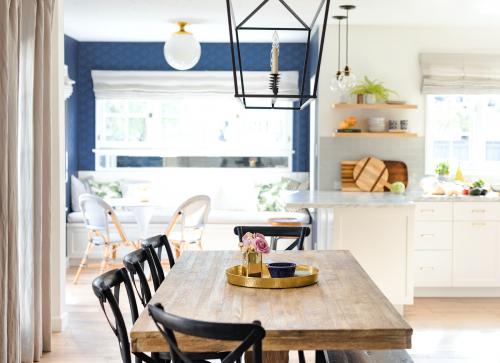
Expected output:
{"points": [[376, 124]]}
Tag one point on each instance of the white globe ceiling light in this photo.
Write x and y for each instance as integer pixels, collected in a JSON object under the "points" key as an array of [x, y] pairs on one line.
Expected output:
{"points": [[182, 51]]}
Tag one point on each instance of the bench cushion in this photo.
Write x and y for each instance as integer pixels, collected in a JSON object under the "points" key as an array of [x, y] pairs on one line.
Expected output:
{"points": [[216, 216]]}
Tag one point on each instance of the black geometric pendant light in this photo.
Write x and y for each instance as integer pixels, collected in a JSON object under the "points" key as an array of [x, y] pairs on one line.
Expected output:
{"points": [[277, 91]]}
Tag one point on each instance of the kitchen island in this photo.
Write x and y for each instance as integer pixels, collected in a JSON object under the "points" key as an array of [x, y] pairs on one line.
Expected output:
{"points": [[378, 229], [412, 243]]}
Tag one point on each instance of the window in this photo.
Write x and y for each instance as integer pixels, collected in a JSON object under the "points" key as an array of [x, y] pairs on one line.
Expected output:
{"points": [[190, 131], [464, 130]]}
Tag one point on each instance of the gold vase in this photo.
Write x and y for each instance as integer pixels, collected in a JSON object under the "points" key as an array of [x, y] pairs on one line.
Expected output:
{"points": [[252, 264]]}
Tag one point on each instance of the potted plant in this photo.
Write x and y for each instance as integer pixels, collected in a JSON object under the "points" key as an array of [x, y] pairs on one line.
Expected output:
{"points": [[442, 170], [253, 245], [372, 90]]}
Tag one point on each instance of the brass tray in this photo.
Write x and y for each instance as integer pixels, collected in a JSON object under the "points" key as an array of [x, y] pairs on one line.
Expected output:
{"points": [[305, 275]]}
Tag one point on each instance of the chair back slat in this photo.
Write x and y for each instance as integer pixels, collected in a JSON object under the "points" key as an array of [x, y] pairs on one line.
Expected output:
{"points": [[299, 233], [107, 289], [134, 263], [250, 335], [154, 246]]}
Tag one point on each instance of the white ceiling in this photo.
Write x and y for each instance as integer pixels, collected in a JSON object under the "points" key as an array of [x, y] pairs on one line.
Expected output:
{"points": [[153, 20]]}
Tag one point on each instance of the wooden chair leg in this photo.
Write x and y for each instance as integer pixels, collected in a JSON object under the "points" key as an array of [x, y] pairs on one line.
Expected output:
{"points": [[83, 262], [177, 248], [114, 248], [105, 258], [200, 246]]}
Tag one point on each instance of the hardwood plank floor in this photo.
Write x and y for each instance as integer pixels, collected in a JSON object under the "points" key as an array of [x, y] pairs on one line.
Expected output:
{"points": [[446, 330]]}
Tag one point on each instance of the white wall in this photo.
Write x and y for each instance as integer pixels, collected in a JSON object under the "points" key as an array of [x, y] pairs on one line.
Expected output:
{"points": [[390, 54]]}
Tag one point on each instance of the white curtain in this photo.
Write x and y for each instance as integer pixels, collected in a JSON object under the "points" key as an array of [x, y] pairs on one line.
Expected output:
{"points": [[151, 84], [9, 285], [25, 328], [460, 73]]}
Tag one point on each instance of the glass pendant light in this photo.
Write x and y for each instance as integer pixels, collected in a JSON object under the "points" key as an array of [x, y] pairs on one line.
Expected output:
{"points": [[347, 79], [335, 84], [182, 51]]}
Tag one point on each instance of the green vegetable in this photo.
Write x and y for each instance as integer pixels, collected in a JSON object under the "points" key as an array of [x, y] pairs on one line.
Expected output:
{"points": [[442, 169], [478, 184], [476, 191], [397, 188], [374, 87]]}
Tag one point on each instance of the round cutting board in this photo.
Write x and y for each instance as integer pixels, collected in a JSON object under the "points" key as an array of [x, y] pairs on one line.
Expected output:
{"points": [[371, 175]]}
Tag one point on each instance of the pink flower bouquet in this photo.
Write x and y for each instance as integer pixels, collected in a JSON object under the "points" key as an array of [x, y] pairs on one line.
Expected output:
{"points": [[254, 242]]}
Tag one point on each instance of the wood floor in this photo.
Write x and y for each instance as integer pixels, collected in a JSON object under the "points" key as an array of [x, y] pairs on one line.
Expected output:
{"points": [[445, 330]]}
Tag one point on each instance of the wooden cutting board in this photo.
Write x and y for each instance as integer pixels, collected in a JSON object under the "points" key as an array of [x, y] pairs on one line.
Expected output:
{"points": [[398, 171], [370, 174]]}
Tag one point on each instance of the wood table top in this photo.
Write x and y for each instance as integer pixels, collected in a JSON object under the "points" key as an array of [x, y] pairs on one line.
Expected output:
{"points": [[344, 310]]}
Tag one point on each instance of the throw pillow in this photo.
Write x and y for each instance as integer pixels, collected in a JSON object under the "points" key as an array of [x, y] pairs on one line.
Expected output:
{"points": [[78, 187], [106, 190]]}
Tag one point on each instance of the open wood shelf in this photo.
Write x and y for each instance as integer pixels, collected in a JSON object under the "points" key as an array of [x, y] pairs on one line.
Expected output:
{"points": [[373, 106], [375, 134]]}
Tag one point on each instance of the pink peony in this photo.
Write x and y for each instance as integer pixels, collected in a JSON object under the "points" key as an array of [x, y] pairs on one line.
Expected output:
{"points": [[261, 244], [247, 239]]}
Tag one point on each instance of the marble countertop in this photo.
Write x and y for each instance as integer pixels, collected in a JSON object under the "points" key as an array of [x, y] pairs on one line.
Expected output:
{"points": [[329, 199]]}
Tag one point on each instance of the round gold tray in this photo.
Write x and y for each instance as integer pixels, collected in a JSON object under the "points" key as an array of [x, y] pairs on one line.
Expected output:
{"points": [[305, 275]]}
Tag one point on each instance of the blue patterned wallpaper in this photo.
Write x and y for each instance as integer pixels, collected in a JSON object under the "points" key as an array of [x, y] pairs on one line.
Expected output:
{"points": [[149, 56], [71, 60]]}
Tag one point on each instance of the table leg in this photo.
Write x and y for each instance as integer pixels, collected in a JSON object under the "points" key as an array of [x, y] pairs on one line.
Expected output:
{"points": [[269, 357]]}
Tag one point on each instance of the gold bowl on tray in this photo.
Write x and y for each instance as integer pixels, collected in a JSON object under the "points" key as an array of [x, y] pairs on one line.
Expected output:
{"points": [[305, 275]]}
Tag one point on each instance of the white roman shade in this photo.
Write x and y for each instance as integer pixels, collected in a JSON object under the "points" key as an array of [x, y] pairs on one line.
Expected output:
{"points": [[158, 84], [460, 73]]}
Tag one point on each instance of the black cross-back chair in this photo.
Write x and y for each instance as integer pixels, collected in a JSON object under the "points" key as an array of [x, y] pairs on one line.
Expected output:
{"points": [[159, 242], [107, 289], [299, 233], [134, 263], [250, 335]]}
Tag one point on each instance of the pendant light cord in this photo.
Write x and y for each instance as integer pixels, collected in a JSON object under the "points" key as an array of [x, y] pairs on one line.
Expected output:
{"points": [[338, 67], [347, 39]]}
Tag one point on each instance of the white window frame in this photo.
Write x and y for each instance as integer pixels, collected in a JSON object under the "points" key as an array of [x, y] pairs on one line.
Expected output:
{"points": [[476, 167], [111, 150]]}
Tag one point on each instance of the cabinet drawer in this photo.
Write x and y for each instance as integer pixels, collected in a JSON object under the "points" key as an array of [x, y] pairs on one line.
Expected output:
{"points": [[440, 211], [433, 235], [486, 211], [433, 268]]}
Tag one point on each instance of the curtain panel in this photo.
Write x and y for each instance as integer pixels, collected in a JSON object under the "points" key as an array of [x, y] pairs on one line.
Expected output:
{"points": [[25, 119], [460, 73], [10, 351], [151, 84]]}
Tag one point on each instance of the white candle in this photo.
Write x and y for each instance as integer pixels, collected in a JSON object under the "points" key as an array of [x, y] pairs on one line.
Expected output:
{"points": [[275, 51]]}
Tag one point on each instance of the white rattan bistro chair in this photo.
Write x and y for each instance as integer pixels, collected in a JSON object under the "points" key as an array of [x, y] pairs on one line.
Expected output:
{"points": [[97, 216], [190, 219]]}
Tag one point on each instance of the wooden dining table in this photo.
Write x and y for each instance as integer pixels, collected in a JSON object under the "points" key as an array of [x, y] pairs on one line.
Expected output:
{"points": [[343, 310]]}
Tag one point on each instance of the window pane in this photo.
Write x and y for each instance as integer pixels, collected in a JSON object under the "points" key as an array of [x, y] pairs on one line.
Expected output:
{"points": [[115, 129], [136, 129]]}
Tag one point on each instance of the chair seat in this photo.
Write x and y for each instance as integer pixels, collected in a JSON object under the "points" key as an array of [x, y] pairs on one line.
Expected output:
{"points": [[114, 237], [369, 356]]}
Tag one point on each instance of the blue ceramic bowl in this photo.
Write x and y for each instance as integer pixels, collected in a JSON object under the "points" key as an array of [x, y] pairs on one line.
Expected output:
{"points": [[281, 269]]}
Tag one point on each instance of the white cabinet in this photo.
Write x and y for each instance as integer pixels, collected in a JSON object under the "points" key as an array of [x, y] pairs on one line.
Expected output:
{"points": [[433, 244], [486, 211], [433, 268], [431, 235], [457, 244], [381, 240], [434, 211], [475, 253]]}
